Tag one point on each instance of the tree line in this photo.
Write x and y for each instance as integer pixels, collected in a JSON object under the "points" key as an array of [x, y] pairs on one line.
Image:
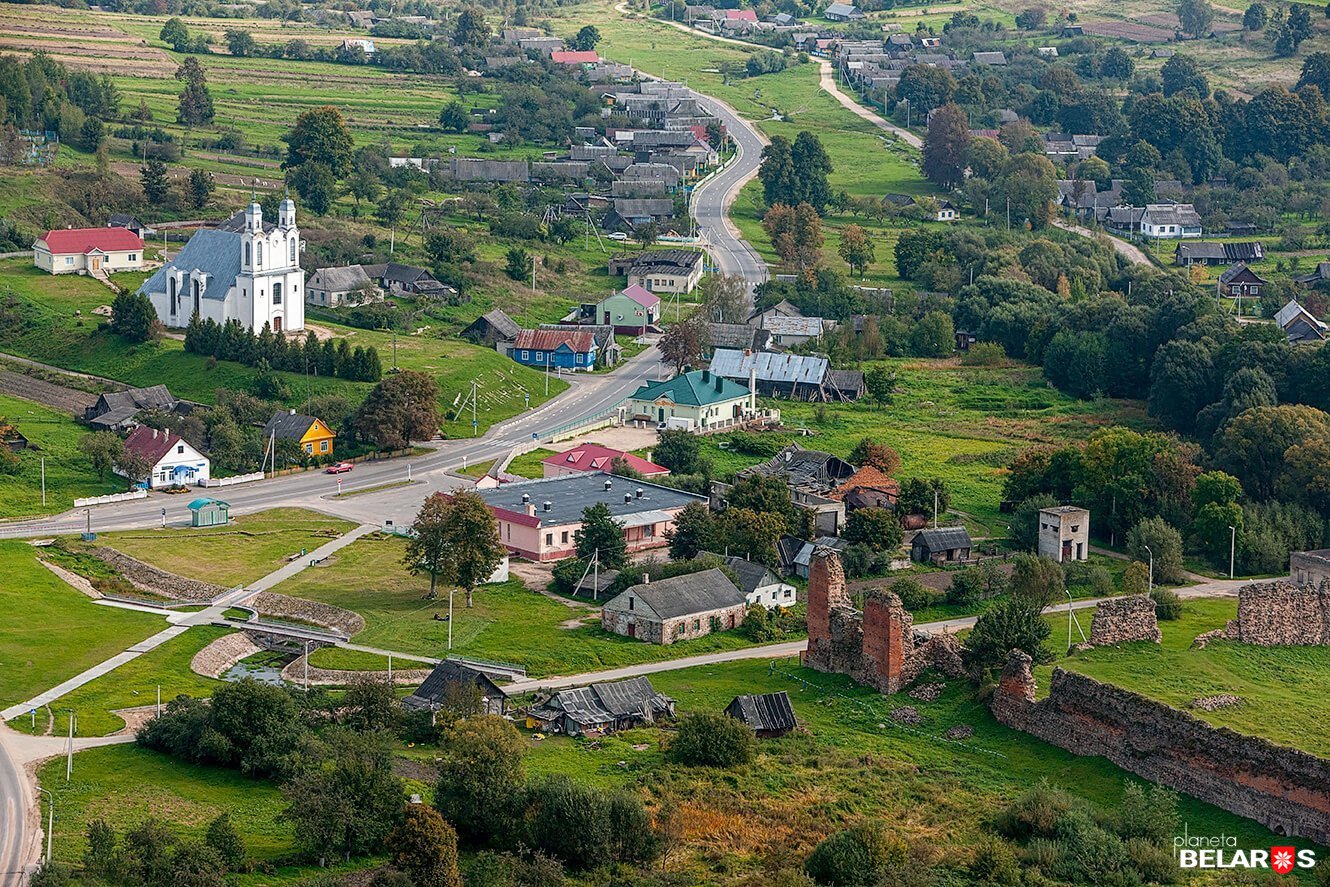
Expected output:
{"points": [[329, 358]]}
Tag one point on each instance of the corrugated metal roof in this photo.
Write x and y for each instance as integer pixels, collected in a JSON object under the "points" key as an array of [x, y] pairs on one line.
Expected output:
{"points": [[768, 711], [770, 367]]}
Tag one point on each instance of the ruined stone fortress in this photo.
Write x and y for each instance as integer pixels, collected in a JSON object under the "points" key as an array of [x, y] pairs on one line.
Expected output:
{"points": [[877, 647], [1274, 614]]}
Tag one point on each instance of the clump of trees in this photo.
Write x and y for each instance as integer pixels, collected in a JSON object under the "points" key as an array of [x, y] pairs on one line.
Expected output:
{"points": [[711, 739], [231, 341]]}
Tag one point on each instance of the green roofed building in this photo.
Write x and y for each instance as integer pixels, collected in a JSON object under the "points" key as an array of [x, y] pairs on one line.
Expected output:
{"points": [[696, 401], [204, 512]]}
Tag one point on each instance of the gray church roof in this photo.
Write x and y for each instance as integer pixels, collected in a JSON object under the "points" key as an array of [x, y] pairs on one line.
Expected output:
{"points": [[215, 252]]}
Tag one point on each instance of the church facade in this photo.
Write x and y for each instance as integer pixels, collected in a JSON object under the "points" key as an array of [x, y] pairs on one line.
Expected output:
{"points": [[245, 269]]}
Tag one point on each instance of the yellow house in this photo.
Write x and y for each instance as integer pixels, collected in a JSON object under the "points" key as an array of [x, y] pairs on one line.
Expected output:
{"points": [[313, 434]]}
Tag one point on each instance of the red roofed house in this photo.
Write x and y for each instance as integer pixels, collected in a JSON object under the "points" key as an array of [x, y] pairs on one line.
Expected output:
{"points": [[563, 349], [574, 57], [594, 457], [868, 488], [741, 15], [171, 461], [90, 250], [630, 310]]}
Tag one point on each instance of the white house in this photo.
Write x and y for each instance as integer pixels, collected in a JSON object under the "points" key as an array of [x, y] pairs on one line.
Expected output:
{"points": [[92, 250], [244, 269], [172, 461], [1170, 221]]}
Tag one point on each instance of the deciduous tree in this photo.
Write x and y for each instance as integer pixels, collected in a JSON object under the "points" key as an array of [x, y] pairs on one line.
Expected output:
{"points": [[856, 248], [454, 537], [944, 146], [602, 536], [195, 99], [320, 135], [425, 847]]}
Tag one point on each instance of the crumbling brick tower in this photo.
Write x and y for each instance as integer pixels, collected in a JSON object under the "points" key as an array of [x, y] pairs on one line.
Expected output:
{"points": [[888, 641], [834, 636]]}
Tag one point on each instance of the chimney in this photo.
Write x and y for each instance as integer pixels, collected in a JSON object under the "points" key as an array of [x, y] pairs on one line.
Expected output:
{"points": [[719, 382], [752, 390], [648, 455], [609, 484], [627, 497], [526, 497], [166, 432], [530, 509], [638, 493], [548, 505], [293, 411], [646, 578]]}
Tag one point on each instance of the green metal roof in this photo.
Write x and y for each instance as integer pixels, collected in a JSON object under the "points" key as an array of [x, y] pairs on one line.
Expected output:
{"points": [[691, 389]]}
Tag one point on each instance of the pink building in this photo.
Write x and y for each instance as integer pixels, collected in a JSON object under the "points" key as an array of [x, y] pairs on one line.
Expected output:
{"points": [[594, 457], [538, 519]]}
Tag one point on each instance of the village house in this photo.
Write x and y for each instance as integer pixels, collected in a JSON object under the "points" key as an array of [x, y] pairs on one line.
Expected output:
{"points": [[842, 12], [946, 212], [333, 287], [736, 336], [801, 565], [594, 457], [811, 477], [790, 331], [562, 349], [1064, 533], [660, 271], [1206, 252], [941, 545], [363, 44], [170, 461], [96, 251], [868, 487], [759, 584], [675, 609], [1239, 280], [633, 212], [769, 715], [696, 401], [450, 683], [408, 280], [608, 351], [246, 269], [538, 519], [310, 433], [796, 376], [601, 708], [1162, 221], [783, 308], [494, 329], [118, 410], [129, 223], [629, 310], [1299, 324]]}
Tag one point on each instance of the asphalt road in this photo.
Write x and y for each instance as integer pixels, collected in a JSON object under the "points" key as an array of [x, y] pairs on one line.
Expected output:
{"points": [[14, 796], [712, 199]]}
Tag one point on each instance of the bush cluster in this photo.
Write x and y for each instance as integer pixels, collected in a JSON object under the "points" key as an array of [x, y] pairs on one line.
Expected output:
{"points": [[231, 341]]}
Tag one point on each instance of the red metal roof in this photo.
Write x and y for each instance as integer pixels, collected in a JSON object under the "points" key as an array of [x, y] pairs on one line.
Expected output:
{"points": [[574, 57], [62, 241], [150, 443], [580, 341], [642, 296], [742, 15], [594, 457]]}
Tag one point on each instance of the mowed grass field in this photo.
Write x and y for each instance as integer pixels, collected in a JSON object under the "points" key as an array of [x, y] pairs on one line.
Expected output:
{"points": [[249, 548], [53, 436], [509, 622], [50, 320], [1279, 686], [51, 631]]}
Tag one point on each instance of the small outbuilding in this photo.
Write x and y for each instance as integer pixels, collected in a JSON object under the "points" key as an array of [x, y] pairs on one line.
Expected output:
{"points": [[601, 708], [448, 680], [941, 545], [205, 512], [1064, 533], [676, 609], [769, 714]]}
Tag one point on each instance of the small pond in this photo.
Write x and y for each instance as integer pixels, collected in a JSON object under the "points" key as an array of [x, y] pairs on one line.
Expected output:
{"points": [[265, 666]]}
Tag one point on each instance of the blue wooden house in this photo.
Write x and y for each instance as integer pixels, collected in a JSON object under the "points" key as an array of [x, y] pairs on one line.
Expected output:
{"points": [[560, 349]]}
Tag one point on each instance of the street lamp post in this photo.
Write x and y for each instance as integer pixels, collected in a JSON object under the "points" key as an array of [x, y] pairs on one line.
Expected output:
{"points": [[1232, 548], [69, 748], [1151, 580]]}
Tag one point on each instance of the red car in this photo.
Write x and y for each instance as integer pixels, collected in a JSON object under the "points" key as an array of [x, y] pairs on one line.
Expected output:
{"points": [[340, 468]]}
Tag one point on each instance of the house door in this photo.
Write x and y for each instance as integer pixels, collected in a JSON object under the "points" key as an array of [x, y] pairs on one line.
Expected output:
{"points": [[607, 318], [632, 629], [660, 411], [277, 324], [96, 263], [1066, 550], [731, 620]]}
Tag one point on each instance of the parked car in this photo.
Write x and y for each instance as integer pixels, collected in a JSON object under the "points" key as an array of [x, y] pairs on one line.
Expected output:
{"points": [[618, 235], [340, 468]]}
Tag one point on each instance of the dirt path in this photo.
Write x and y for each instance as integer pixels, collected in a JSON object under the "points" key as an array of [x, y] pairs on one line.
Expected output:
{"points": [[1128, 251], [57, 397], [848, 102]]}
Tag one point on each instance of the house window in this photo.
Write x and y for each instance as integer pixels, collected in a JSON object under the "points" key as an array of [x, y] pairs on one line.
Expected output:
{"points": [[526, 355], [277, 294], [697, 625], [630, 603], [133, 257], [69, 260], [563, 537], [309, 448], [323, 446], [180, 450], [540, 356], [788, 593], [579, 358], [549, 538]]}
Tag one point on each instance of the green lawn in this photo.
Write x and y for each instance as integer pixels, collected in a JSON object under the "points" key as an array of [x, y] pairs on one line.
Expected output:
{"points": [[1272, 681], [53, 632], [133, 684], [529, 464], [249, 548], [54, 437], [508, 623]]}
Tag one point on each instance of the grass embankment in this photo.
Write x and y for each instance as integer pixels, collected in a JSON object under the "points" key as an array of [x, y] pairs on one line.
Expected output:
{"points": [[508, 623], [52, 436], [529, 464], [51, 631], [52, 321], [249, 548]]}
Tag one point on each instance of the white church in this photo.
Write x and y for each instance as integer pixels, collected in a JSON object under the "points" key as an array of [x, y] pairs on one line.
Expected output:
{"points": [[244, 269]]}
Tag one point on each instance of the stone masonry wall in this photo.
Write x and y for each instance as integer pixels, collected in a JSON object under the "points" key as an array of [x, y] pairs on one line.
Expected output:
{"points": [[281, 606], [1123, 620], [1277, 613], [876, 647], [146, 577], [1309, 567], [1284, 789]]}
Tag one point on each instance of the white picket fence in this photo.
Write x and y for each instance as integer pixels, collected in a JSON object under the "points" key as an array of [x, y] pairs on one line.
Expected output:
{"points": [[232, 481], [111, 497]]}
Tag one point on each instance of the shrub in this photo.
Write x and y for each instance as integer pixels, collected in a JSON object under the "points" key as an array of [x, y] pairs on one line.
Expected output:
{"points": [[1155, 535], [1025, 521], [994, 862], [984, 354], [1092, 576], [1035, 813], [1151, 813], [709, 739], [569, 821], [481, 778], [914, 594], [857, 857], [1167, 604], [1038, 580], [875, 527]]}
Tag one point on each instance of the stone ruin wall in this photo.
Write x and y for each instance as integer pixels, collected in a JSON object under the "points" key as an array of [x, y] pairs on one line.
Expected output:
{"points": [[1123, 620], [1284, 789], [1272, 614], [150, 579], [875, 647]]}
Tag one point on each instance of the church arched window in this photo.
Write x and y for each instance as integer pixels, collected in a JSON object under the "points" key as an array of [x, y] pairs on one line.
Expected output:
{"points": [[246, 253], [258, 255], [291, 246]]}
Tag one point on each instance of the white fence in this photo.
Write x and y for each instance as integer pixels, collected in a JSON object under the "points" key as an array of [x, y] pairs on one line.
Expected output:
{"points": [[231, 481], [108, 499]]}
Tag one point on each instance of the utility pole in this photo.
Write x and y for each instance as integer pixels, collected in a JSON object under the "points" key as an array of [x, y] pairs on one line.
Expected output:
{"points": [[1232, 548], [450, 618], [307, 655], [935, 502], [43, 481], [474, 424], [1150, 585], [69, 748]]}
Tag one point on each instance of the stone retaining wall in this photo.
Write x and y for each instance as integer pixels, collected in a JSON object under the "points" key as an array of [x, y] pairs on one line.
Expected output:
{"points": [[213, 660], [146, 577], [74, 580], [294, 673], [1284, 789], [1123, 620], [281, 606]]}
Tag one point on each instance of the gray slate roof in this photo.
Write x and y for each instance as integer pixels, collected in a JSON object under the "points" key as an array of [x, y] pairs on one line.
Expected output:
{"points": [[945, 538], [338, 280], [446, 674], [288, 426], [602, 703], [215, 252], [688, 594], [571, 493], [751, 574], [769, 711], [801, 369]]}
